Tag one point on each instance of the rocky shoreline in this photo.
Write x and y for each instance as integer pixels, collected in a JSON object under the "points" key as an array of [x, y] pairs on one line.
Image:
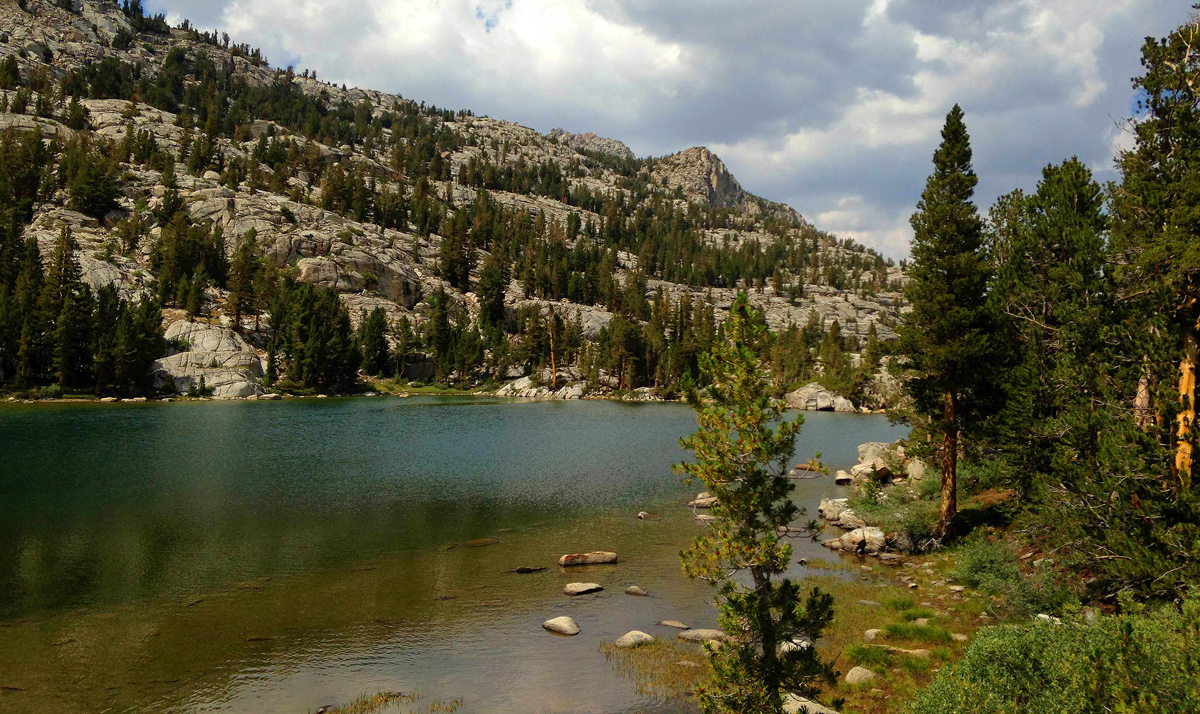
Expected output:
{"points": [[879, 464]]}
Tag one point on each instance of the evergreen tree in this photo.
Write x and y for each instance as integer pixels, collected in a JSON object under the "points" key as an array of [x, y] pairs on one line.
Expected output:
{"points": [[493, 281], [948, 334], [372, 336], [31, 352], [73, 340], [405, 340], [743, 461], [1054, 290], [1155, 229], [243, 275]]}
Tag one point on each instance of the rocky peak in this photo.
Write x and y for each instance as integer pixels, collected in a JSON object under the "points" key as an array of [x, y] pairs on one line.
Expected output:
{"points": [[702, 176], [590, 141]]}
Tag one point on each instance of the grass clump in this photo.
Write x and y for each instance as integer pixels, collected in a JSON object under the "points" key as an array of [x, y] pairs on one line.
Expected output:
{"points": [[917, 613], [899, 603], [908, 632], [875, 658]]}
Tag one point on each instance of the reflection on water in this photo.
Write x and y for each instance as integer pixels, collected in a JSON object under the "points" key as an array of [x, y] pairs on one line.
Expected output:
{"points": [[273, 557]]}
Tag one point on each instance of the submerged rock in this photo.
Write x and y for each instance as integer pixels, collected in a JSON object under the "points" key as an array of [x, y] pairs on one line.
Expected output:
{"points": [[598, 557], [674, 623], [574, 589], [562, 626], [635, 590]]}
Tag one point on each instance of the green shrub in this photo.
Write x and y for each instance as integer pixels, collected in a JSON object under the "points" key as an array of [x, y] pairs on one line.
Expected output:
{"points": [[907, 513], [1139, 661], [991, 566]]}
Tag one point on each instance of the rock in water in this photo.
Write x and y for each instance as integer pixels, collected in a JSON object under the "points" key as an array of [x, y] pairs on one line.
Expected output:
{"points": [[703, 500], [599, 557], [635, 590], [831, 508], [562, 626], [702, 635], [859, 675], [633, 638], [815, 398], [864, 541], [872, 450], [674, 623], [573, 589]]}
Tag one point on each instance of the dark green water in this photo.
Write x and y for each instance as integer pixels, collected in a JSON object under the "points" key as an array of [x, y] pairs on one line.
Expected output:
{"points": [[274, 557]]}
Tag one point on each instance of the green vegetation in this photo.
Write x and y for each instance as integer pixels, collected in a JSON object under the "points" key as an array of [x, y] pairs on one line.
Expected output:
{"points": [[57, 335], [1140, 660], [743, 461], [950, 331]]}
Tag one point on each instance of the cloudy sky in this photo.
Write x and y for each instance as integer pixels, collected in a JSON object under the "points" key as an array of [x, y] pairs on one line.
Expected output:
{"points": [[832, 106]]}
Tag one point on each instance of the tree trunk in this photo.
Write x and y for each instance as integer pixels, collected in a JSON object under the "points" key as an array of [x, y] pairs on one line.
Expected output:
{"points": [[1187, 415], [1143, 411], [949, 468]]}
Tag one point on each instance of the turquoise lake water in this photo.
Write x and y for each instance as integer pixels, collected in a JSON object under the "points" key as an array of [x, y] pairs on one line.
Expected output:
{"points": [[279, 556]]}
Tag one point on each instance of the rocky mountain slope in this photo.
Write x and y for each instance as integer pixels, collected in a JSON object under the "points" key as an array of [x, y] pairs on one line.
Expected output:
{"points": [[682, 224]]}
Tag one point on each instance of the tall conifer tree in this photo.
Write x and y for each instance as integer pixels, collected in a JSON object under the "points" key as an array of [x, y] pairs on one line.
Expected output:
{"points": [[948, 334]]}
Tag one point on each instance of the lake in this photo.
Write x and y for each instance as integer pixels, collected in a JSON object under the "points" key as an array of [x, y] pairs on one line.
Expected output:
{"points": [[280, 556]]}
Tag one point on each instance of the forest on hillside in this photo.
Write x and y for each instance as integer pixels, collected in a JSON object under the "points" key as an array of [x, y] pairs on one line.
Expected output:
{"points": [[390, 170]]}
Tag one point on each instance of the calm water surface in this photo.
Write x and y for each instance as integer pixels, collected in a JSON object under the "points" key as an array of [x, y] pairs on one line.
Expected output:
{"points": [[278, 556]]}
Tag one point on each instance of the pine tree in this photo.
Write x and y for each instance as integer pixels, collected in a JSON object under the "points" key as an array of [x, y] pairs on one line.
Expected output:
{"points": [[1155, 229], [31, 352], [243, 279], [948, 334], [405, 339], [1053, 287], [372, 336], [743, 461], [73, 340]]}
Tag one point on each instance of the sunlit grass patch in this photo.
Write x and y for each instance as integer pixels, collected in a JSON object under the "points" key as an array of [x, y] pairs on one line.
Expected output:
{"points": [[908, 632], [917, 613], [913, 664], [899, 603], [875, 658]]}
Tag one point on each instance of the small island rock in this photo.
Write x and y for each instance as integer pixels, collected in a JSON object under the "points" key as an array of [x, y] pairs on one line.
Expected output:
{"points": [[599, 557], [562, 626]]}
